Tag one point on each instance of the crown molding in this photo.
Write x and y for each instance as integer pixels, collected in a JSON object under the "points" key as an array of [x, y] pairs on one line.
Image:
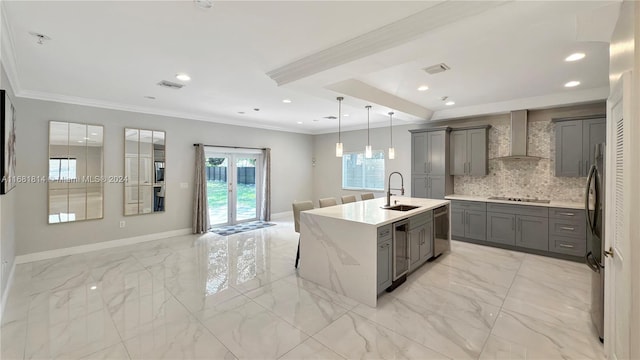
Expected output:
{"points": [[74, 100], [7, 49], [380, 39]]}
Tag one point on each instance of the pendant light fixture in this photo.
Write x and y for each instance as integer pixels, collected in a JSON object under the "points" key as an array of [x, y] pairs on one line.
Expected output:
{"points": [[367, 150], [339, 143], [392, 150]]}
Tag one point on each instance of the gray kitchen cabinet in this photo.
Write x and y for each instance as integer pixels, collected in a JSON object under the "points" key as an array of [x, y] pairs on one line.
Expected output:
{"points": [[437, 146], [385, 265], [501, 228], [419, 153], [575, 141], [469, 220], [420, 240], [469, 152], [594, 131], [385, 257], [568, 232], [430, 163], [532, 232]]}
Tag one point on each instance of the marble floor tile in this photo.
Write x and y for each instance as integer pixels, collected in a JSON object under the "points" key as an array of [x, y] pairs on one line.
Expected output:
{"points": [[446, 335], [546, 338], [184, 340], [146, 313], [239, 296], [354, 337], [253, 332], [12, 339], [311, 349], [117, 351], [304, 310], [465, 309]]}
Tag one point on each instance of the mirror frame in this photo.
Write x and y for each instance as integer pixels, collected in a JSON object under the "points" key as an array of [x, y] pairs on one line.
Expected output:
{"points": [[99, 178]]}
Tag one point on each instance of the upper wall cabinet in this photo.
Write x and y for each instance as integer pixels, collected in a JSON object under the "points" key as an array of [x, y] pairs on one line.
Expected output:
{"points": [[469, 151], [430, 163], [76, 170], [575, 144], [144, 159]]}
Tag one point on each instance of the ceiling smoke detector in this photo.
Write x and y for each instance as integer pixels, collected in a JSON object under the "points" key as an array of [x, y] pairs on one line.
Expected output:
{"points": [[438, 68], [40, 38], [203, 4], [170, 85]]}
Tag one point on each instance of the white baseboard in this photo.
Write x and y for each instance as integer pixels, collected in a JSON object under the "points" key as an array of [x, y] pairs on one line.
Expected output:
{"points": [[282, 215], [5, 292], [50, 254]]}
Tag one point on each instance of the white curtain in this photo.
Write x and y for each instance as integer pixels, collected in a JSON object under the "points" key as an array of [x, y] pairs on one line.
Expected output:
{"points": [[200, 206], [265, 209]]}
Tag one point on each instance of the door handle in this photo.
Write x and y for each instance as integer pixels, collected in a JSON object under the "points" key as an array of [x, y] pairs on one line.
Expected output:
{"points": [[609, 253]]}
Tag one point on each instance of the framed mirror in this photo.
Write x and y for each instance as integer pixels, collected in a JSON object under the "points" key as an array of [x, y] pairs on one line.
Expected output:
{"points": [[144, 171], [76, 172]]}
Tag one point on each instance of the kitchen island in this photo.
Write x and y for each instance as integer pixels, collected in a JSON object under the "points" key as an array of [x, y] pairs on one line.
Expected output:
{"points": [[347, 248]]}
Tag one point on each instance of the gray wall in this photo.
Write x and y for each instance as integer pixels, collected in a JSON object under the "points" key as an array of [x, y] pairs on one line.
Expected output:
{"points": [[328, 168], [291, 171], [8, 204]]}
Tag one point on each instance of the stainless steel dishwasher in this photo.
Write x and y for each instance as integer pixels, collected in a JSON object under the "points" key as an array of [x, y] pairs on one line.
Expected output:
{"points": [[441, 241]]}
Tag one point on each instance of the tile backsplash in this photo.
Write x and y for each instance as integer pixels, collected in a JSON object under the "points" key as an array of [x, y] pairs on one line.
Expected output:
{"points": [[522, 178]]}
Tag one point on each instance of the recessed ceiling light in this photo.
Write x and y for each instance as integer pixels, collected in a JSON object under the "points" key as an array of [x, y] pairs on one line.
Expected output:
{"points": [[256, 109], [572, 83], [316, 120], [240, 112], [150, 97], [287, 101], [299, 122], [183, 77], [94, 134], [423, 88], [575, 57], [449, 103], [345, 115], [93, 287], [80, 141]]}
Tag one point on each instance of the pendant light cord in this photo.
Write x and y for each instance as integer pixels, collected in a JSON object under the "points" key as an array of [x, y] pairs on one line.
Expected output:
{"points": [[340, 98], [368, 139], [391, 128]]}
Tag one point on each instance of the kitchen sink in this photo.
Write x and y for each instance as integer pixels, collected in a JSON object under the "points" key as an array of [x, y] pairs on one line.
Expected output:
{"points": [[401, 207]]}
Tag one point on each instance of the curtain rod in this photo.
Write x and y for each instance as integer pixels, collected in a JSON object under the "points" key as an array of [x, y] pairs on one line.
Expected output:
{"points": [[232, 147]]}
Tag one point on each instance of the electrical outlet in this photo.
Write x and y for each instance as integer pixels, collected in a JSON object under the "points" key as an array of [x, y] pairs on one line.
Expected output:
{"points": [[122, 223]]}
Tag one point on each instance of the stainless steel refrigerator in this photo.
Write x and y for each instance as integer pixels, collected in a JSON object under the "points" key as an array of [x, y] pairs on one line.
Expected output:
{"points": [[595, 209]]}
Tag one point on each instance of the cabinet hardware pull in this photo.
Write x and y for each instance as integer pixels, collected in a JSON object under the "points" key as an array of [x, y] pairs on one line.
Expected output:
{"points": [[579, 167], [384, 246], [513, 223], [429, 166], [566, 246], [567, 214], [519, 225], [567, 228], [425, 166]]}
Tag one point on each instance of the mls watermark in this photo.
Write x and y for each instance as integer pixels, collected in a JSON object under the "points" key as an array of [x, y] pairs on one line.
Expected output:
{"points": [[35, 179]]}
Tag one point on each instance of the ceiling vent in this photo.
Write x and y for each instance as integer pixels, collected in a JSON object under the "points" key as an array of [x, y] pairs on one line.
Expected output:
{"points": [[434, 69], [170, 85]]}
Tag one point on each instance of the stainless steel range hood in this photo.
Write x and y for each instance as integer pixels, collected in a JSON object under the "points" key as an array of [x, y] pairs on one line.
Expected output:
{"points": [[518, 150]]}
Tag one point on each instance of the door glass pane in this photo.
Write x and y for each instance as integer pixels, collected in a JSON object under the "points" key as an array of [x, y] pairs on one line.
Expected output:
{"points": [[217, 189], [246, 208]]}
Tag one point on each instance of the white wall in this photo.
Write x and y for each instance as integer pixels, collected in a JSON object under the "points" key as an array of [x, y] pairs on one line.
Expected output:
{"points": [[328, 168], [7, 209], [291, 172]]}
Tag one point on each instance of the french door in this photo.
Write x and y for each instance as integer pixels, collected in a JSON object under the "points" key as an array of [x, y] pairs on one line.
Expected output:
{"points": [[234, 182]]}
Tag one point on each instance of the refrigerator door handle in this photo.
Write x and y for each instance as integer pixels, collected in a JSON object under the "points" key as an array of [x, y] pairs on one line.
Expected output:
{"points": [[586, 197], [591, 262]]}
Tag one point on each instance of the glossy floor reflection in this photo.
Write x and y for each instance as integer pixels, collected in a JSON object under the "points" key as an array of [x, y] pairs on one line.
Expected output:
{"points": [[215, 297]]}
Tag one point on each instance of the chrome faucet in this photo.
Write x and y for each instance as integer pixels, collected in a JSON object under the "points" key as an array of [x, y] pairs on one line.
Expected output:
{"points": [[388, 204]]}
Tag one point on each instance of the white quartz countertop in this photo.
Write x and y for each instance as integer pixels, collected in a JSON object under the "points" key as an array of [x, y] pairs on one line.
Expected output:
{"points": [[369, 211], [557, 204]]}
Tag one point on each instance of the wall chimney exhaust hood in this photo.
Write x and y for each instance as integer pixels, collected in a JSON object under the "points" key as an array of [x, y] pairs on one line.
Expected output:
{"points": [[518, 149]]}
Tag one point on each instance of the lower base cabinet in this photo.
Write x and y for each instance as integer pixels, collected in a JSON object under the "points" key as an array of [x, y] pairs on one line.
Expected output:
{"points": [[501, 228], [385, 265], [532, 232]]}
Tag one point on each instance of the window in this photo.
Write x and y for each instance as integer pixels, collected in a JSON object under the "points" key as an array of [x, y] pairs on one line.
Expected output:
{"points": [[360, 173], [62, 169]]}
